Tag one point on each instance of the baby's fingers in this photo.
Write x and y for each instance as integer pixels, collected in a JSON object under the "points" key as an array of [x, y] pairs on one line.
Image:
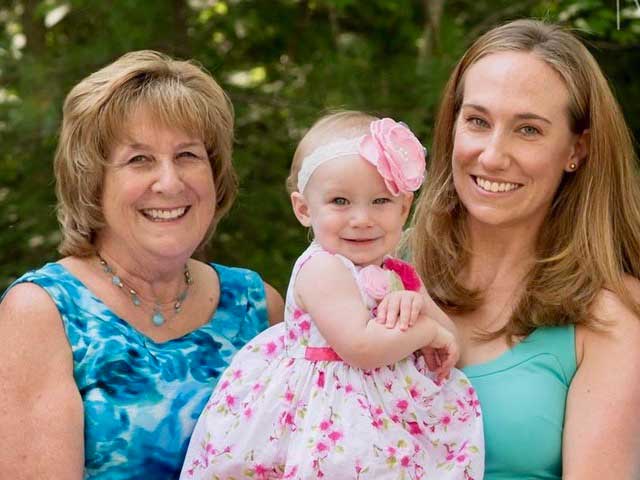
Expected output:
{"points": [[381, 311], [406, 312], [416, 308], [393, 308]]}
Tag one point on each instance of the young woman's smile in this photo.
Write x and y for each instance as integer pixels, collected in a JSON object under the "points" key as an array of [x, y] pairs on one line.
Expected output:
{"points": [[512, 140]]}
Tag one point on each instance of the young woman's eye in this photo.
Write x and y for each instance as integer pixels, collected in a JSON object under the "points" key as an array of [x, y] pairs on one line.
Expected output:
{"points": [[477, 122], [381, 201], [339, 201], [529, 131]]}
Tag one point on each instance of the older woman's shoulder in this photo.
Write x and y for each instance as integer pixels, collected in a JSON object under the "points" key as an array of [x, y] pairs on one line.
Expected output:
{"points": [[25, 300]]}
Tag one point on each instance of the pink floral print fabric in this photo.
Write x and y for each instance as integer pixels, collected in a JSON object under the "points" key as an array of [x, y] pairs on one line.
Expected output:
{"points": [[277, 415]]}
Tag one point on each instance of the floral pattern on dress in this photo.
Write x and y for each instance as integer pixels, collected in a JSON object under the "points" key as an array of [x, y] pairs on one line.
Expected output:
{"points": [[276, 414]]}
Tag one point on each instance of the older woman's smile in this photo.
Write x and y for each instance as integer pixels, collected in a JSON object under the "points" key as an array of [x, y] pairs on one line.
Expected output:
{"points": [[164, 214]]}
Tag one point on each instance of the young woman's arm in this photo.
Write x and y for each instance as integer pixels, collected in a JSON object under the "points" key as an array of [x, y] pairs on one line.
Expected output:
{"points": [[41, 416], [602, 425], [326, 289]]}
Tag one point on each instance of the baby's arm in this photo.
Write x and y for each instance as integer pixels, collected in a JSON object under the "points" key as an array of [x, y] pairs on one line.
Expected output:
{"points": [[327, 290], [400, 308], [403, 308]]}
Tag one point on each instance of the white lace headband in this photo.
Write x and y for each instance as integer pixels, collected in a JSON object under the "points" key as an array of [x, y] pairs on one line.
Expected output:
{"points": [[390, 146], [324, 153]]}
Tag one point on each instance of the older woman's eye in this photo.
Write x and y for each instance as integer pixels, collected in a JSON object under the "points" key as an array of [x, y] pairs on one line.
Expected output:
{"points": [[188, 154], [137, 160]]}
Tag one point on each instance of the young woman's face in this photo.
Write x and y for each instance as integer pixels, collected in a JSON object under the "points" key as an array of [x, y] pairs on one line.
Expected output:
{"points": [[351, 212], [158, 193], [512, 141]]}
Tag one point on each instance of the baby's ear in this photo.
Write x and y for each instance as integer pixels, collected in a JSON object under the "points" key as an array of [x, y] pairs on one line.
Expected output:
{"points": [[301, 209], [406, 205]]}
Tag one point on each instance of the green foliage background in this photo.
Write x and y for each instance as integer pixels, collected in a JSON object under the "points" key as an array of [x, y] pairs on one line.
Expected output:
{"points": [[283, 62]]}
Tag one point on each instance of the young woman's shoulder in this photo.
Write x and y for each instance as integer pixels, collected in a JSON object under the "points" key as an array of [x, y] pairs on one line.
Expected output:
{"points": [[618, 326], [604, 393], [612, 310]]}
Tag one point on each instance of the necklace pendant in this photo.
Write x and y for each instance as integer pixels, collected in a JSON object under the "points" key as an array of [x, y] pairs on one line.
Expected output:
{"points": [[157, 319], [134, 297]]}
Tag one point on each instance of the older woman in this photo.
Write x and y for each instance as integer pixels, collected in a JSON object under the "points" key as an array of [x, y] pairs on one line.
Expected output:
{"points": [[528, 234], [108, 355]]}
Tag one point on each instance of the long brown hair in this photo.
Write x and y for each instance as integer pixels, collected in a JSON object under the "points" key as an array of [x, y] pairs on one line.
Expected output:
{"points": [[591, 235]]}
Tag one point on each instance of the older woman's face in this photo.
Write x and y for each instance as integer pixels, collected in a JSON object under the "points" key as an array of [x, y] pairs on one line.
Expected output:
{"points": [[512, 140], [158, 193]]}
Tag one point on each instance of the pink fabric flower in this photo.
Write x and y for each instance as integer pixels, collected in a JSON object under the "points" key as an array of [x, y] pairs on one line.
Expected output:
{"points": [[397, 154], [375, 281], [406, 272]]}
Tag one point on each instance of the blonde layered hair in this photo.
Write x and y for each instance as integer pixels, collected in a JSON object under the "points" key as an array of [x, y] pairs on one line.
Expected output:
{"points": [[328, 128], [591, 235], [177, 94]]}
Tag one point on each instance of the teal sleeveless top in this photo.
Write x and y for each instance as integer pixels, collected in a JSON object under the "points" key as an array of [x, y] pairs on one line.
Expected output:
{"points": [[523, 394], [141, 398]]}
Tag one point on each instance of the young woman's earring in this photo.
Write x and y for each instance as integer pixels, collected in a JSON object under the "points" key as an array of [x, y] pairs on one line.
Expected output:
{"points": [[572, 166]]}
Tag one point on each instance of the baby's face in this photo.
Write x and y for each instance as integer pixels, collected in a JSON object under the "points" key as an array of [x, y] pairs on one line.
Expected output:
{"points": [[352, 212]]}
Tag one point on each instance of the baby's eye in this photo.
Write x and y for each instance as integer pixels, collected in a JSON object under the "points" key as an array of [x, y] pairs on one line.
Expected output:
{"points": [[339, 201], [381, 201]]}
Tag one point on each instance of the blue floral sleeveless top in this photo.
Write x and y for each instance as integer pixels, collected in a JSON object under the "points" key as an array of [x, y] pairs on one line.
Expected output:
{"points": [[142, 398]]}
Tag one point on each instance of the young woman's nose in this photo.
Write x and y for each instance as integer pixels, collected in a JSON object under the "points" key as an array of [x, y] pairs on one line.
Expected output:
{"points": [[168, 178], [495, 155]]}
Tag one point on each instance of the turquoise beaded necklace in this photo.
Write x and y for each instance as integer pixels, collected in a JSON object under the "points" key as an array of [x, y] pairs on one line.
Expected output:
{"points": [[157, 317]]}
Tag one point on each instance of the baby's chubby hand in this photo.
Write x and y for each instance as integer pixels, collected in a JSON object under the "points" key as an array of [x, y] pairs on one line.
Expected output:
{"points": [[400, 308]]}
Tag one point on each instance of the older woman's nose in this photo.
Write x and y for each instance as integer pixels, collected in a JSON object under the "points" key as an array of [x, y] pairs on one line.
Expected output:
{"points": [[168, 179], [495, 153]]}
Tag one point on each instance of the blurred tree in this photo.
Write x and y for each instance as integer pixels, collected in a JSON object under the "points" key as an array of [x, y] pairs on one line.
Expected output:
{"points": [[283, 62]]}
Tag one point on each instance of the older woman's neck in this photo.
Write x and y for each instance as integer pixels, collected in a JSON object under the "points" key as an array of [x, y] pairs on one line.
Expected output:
{"points": [[153, 278]]}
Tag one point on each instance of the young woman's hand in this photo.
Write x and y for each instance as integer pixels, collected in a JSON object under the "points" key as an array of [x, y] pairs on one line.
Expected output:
{"points": [[442, 354], [400, 308]]}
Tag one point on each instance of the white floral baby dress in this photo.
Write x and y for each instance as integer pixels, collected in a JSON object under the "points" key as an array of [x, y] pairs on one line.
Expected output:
{"points": [[288, 408]]}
